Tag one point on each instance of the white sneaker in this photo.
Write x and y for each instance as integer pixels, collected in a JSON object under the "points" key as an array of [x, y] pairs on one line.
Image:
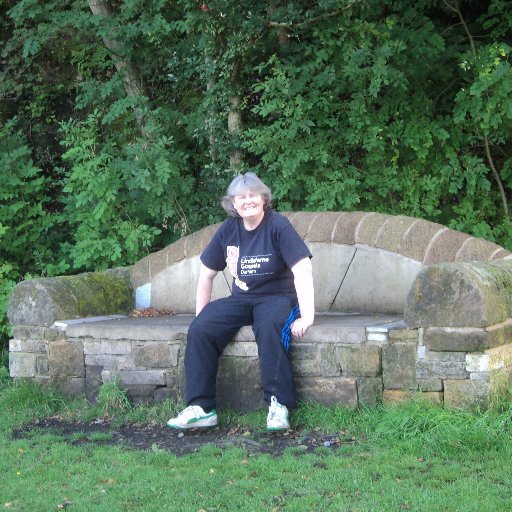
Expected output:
{"points": [[193, 417], [277, 418]]}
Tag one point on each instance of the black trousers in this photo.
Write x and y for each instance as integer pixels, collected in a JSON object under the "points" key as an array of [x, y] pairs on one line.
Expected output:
{"points": [[216, 326]]}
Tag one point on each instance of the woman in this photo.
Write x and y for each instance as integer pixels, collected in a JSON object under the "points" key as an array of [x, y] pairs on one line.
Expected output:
{"points": [[272, 291]]}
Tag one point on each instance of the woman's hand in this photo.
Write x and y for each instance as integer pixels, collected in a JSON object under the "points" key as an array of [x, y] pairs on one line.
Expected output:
{"points": [[300, 327]]}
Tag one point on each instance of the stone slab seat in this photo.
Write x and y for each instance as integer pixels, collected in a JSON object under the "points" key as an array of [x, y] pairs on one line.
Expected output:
{"points": [[403, 305]]}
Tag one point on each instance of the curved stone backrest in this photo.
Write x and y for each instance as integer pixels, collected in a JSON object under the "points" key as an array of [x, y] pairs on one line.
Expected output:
{"points": [[363, 262]]}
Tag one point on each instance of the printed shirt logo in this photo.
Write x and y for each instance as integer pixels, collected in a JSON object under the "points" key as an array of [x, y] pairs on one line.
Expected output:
{"points": [[249, 265], [232, 263]]}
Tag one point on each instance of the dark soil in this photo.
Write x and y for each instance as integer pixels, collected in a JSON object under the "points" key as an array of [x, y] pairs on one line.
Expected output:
{"points": [[158, 437]]}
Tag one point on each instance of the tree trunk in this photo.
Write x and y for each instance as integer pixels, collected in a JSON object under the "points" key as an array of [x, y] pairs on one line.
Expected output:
{"points": [[133, 84]]}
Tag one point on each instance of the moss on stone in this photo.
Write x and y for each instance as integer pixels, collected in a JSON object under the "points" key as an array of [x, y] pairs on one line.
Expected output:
{"points": [[43, 301]]}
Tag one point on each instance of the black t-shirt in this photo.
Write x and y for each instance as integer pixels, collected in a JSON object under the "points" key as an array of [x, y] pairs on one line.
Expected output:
{"points": [[259, 260]]}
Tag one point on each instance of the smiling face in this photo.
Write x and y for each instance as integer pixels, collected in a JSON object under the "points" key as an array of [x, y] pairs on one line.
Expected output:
{"points": [[249, 205]]}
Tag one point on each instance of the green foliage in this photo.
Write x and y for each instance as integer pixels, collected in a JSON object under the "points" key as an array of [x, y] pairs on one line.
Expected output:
{"points": [[112, 398], [119, 132], [27, 400], [115, 195]]}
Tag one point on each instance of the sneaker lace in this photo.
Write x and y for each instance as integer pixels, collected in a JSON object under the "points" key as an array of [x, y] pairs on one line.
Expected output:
{"points": [[191, 410]]}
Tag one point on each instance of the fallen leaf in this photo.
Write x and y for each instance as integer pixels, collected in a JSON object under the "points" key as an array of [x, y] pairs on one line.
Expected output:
{"points": [[65, 502], [147, 312]]}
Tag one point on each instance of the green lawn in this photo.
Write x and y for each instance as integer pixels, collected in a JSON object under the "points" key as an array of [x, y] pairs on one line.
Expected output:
{"points": [[410, 457]]}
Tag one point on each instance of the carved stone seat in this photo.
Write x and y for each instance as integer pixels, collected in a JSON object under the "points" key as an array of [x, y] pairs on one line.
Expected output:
{"points": [[403, 305]]}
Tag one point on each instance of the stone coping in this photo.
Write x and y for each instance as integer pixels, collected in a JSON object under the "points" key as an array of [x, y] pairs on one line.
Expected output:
{"points": [[418, 239], [328, 328]]}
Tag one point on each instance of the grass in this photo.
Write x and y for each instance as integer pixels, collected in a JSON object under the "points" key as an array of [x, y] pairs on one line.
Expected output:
{"points": [[412, 456]]}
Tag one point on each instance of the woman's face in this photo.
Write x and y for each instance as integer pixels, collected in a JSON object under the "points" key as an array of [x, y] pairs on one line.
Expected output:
{"points": [[249, 205]]}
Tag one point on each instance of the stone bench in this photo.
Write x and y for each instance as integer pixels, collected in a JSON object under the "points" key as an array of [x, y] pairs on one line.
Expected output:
{"points": [[403, 305]]}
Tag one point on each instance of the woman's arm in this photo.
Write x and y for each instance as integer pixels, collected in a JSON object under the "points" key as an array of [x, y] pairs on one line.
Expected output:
{"points": [[204, 287], [303, 278]]}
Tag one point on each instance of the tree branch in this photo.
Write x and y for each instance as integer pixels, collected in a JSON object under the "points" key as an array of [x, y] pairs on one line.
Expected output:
{"points": [[455, 8], [313, 20]]}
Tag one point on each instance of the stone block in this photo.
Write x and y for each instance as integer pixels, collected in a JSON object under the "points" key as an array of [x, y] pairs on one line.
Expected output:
{"points": [[175, 380], [397, 396], [501, 254], [142, 377], [306, 368], [301, 221], [329, 391], [164, 393], [111, 362], [28, 332], [434, 397], [126, 329], [28, 345], [239, 383], [152, 355], [501, 383], [157, 262], [500, 334], [245, 334], [304, 351], [392, 233], [42, 365], [54, 334], [118, 347], [72, 387], [476, 294], [403, 335], [139, 273], [467, 394], [346, 227], [142, 391], [174, 288], [369, 228], [361, 361], [41, 302], [491, 361], [328, 361], [176, 349], [330, 265], [476, 249], [304, 359], [327, 332], [66, 359], [376, 282], [369, 391], [445, 357], [486, 376], [457, 339], [322, 226], [193, 244], [91, 346], [418, 237], [430, 384], [441, 370], [399, 366], [445, 246], [241, 349], [22, 364], [373, 337], [390, 396]]}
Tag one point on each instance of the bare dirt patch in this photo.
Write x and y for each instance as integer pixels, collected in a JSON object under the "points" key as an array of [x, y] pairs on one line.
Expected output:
{"points": [[158, 437]]}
